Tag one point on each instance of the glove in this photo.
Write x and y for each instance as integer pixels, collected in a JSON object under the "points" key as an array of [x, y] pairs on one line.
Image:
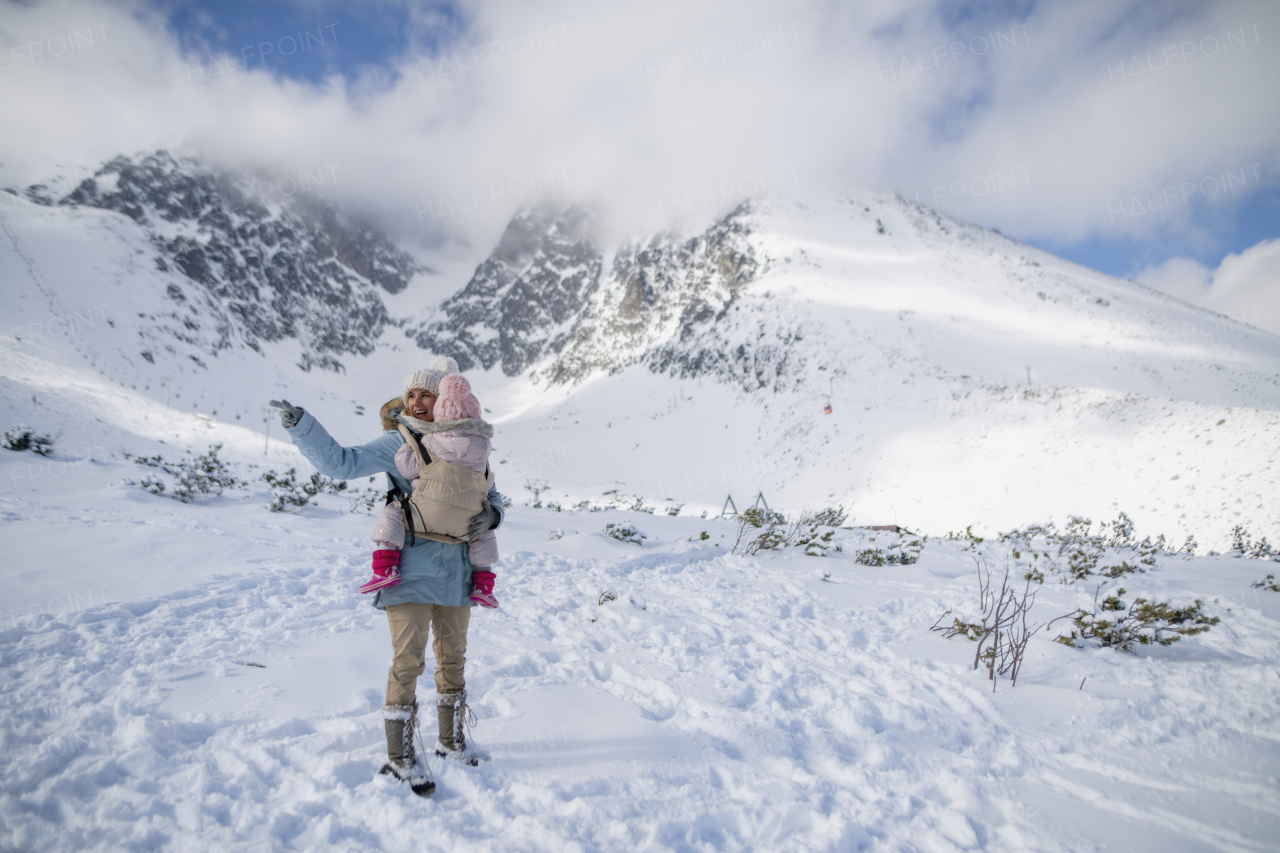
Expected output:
{"points": [[289, 414], [484, 520]]}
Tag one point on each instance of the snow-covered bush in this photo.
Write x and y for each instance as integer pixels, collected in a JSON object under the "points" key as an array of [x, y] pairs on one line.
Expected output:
{"points": [[613, 499], [625, 532], [903, 551], [640, 506], [365, 501], [1267, 583], [153, 484], [288, 491], [1076, 553], [815, 530], [25, 438], [1002, 633], [206, 474], [1242, 545], [1143, 622], [760, 530]]}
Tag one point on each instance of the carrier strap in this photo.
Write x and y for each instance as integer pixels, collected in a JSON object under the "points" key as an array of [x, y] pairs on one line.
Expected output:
{"points": [[423, 458]]}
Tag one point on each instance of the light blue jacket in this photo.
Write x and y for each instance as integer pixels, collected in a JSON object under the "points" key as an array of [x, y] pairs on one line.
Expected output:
{"points": [[431, 572]]}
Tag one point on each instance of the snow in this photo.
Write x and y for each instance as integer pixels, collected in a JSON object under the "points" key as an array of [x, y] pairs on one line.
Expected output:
{"points": [[206, 675], [716, 702], [921, 338]]}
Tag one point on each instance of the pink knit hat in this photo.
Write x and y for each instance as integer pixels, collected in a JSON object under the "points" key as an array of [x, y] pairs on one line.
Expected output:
{"points": [[456, 400]]}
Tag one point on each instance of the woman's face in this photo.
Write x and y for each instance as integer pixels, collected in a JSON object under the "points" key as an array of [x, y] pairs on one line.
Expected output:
{"points": [[421, 404]]}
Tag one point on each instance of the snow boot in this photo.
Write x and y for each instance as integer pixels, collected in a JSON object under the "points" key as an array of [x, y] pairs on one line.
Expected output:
{"points": [[455, 718], [402, 760], [386, 571], [482, 589]]}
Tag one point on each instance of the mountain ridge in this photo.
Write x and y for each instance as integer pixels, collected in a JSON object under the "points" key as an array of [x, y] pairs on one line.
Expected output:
{"points": [[970, 378]]}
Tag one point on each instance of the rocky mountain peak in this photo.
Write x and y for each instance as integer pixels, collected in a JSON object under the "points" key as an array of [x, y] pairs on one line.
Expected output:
{"points": [[289, 267], [550, 299]]}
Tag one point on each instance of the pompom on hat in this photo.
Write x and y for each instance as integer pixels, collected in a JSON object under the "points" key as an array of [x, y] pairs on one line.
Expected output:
{"points": [[429, 379], [456, 401]]}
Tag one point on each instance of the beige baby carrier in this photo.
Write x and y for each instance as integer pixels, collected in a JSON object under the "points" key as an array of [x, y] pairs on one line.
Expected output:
{"points": [[445, 499]]}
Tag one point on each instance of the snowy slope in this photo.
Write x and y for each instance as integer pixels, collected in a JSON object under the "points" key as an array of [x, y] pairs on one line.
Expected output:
{"points": [[920, 330], [717, 702], [692, 368]]}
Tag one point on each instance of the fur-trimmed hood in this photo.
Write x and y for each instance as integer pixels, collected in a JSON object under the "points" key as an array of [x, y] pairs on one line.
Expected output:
{"points": [[393, 414], [388, 413], [429, 427]]}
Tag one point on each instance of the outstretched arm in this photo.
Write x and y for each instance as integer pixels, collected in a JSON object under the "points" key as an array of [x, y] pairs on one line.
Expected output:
{"points": [[334, 460]]}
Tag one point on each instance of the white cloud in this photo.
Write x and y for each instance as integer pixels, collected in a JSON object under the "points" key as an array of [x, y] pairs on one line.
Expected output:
{"points": [[658, 106], [1244, 286]]}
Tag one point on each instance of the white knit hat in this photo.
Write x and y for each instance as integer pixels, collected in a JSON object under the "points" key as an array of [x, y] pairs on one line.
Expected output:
{"points": [[429, 379]]}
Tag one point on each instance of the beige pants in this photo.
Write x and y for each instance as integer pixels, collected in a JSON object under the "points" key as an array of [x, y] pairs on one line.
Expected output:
{"points": [[410, 625]]}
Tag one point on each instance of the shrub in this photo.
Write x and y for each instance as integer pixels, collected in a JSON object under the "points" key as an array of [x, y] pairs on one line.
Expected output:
{"points": [[640, 506], [152, 484], [624, 533], [967, 535], [206, 474], [1268, 583], [904, 551], [366, 500], [1002, 633], [287, 490], [1144, 622], [1242, 545], [811, 537], [25, 438], [760, 530], [1075, 553]]}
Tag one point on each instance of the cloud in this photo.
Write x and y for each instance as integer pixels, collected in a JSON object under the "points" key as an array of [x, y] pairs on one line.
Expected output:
{"points": [[1037, 122], [1245, 286]]}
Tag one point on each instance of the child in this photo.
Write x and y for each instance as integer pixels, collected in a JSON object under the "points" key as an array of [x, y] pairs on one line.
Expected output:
{"points": [[457, 434]]}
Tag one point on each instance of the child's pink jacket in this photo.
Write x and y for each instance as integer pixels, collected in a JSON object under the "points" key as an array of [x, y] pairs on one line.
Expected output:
{"points": [[459, 442]]}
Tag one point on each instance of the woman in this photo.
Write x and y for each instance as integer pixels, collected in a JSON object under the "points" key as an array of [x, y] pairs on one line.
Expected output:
{"points": [[433, 596]]}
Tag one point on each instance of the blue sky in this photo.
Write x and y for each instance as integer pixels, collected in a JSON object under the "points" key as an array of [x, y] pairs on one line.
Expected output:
{"points": [[306, 42], [1256, 217]]}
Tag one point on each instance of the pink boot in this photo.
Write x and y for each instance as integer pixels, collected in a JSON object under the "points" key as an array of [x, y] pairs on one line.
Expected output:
{"points": [[482, 589], [386, 571]]}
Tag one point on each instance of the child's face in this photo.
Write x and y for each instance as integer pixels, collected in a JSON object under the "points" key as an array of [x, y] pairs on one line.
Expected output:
{"points": [[421, 404]]}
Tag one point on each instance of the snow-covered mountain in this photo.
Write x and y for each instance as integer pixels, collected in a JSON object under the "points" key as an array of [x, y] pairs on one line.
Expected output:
{"points": [[548, 299], [206, 674], [971, 378], [294, 269]]}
